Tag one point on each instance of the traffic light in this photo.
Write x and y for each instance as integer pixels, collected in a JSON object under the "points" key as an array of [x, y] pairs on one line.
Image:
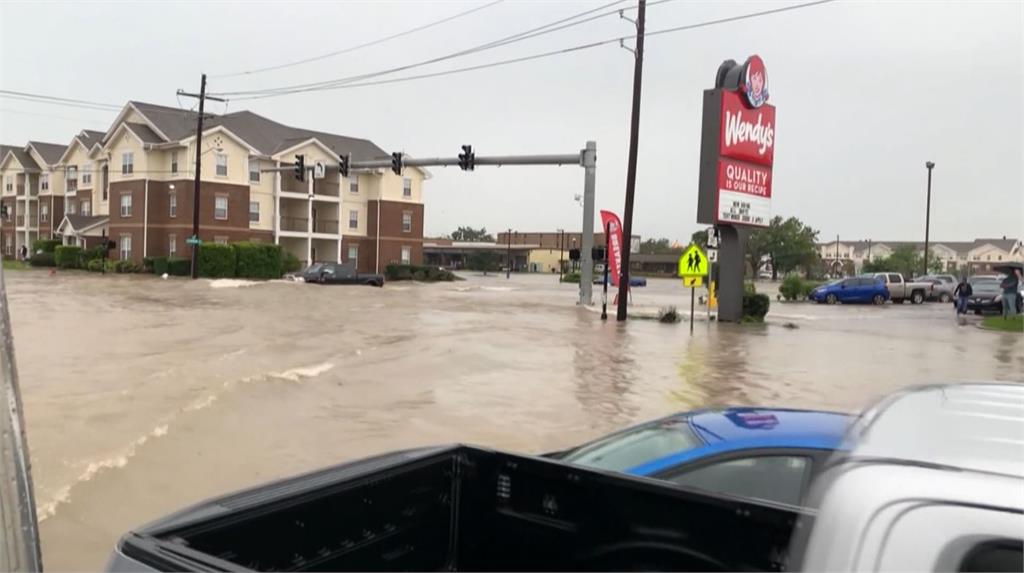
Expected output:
{"points": [[396, 162], [344, 164], [300, 167], [467, 159]]}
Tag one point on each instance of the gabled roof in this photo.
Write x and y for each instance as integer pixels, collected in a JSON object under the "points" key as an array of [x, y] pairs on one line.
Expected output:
{"points": [[81, 223], [144, 133], [1004, 243], [4, 149], [271, 137], [22, 157], [170, 122], [50, 152]]}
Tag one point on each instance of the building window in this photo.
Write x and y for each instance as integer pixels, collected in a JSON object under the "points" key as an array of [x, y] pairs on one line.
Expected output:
{"points": [[86, 207], [172, 245], [126, 247], [353, 219], [254, 211], [406, 221], [127, 163], [353, 252], [406, 187], [353, 184], [87, 174], [172, 204], [44, 213], [220, 207], [999, 258], [174, 163], [220, 240], [988, 257], [254, 170], [106, 179], [406, 255], [8, 184], [9, 244], [222, 165], [126, 205], [71, 208], [44, 181]]}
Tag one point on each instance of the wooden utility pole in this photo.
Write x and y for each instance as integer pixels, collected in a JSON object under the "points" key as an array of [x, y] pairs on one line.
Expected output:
{"points": [[634, 136], [194, 240]]}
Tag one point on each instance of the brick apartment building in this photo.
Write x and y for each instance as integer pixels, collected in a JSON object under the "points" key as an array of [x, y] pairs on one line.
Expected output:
{"points": [[134, 183]]}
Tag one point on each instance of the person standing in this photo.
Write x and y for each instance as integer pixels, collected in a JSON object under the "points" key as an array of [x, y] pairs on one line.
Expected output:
{"points": [[962, 293], [1010, 286]]}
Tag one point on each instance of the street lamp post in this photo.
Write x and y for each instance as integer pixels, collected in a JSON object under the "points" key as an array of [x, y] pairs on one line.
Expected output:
{"points": [[928, 213], [508, 257], [561, 251]]}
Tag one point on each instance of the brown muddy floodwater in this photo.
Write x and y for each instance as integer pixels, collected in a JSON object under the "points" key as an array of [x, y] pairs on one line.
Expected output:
{"points": [[143, 395]]}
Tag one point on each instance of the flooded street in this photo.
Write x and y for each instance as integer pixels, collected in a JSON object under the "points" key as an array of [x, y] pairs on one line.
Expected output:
{"points": [[143, 395]]}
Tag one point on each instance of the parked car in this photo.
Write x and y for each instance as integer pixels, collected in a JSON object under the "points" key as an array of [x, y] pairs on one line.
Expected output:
{"points": [[856, 289], [763, 453], [633, 281], [901, 289], [987, 295], [942, 289], [339, 274]]}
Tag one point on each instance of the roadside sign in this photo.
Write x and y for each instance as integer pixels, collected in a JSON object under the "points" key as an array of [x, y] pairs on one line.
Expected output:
{"points": [[320, 169], [193, 241], [712, 255], [693, 282], [693, 263]]}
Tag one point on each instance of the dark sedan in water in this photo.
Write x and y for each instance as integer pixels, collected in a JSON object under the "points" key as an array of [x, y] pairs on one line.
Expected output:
{"points": [[987, 296]]}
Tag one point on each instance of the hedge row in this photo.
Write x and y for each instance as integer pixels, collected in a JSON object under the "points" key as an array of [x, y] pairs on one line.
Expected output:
{"points": [[45, 245], [242, 260], [795, 288], [417, 273], [68, 257]]}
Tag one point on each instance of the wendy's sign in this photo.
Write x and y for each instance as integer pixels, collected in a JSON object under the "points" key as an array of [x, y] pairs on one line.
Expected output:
{"points": [[737, 147]]}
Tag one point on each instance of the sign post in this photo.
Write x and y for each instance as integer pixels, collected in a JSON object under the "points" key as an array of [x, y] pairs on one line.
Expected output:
{"points": [[693, 267]]}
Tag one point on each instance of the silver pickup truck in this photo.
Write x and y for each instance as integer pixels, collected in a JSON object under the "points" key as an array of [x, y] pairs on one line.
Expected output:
{"points": [[901, 289]]}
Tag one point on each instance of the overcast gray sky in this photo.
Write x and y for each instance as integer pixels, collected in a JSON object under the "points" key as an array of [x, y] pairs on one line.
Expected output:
{"points": [[866, 92]]}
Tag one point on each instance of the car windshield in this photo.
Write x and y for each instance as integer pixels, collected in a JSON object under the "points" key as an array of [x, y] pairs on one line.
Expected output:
{"points": [[314, 268], [634, 447], [984, 283]]}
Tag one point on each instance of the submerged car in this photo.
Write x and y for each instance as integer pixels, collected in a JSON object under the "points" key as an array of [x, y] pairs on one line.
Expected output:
{"points": [[339, 274], [762, 453], [852, 290]]}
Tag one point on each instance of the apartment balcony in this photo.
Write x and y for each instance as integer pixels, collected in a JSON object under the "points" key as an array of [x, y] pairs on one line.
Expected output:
{"points": [[21, 190], [325, 226], [19, 221], [295, 224]]}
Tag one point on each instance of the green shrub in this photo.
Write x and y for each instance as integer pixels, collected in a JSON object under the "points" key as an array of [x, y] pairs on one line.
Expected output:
{"points": [[808, 286], [97, 252], [96, 265], [748, 287], [257, 260], [571, 278], [43, 259], [216, 261], [159, 265], [147, 264], [126, 267], [792, 287], [418, 273], [290, 263], [177, 267], [755, 307], [45, 245], [68, 257]]}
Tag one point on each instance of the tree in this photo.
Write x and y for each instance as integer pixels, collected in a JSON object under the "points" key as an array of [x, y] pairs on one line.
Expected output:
{"points": [[482, 261], [700, 238], [656, 247], [471, 235], [904, 259], [788, 244]]}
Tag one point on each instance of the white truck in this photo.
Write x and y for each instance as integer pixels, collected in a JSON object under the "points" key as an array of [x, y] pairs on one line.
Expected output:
{"points": [[901, 289], [933, 481]]}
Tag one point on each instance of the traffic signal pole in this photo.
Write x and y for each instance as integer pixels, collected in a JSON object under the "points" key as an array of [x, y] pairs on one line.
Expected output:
{"points": [[586, 158]]}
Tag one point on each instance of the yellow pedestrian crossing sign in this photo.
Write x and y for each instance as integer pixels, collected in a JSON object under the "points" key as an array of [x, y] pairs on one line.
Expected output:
{"points": [[693, 263]]}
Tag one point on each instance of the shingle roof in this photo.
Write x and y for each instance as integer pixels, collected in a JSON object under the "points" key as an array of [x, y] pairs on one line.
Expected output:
{"points": [[173, 122], [50, 152], [89, 137], [267, 136], [146, 134], [80, 222], [23, 157], [961, 247], [1005, 243]]}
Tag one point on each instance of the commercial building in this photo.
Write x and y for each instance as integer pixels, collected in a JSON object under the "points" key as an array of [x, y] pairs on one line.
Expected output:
{"points": [[134, 184], [976, 256]]}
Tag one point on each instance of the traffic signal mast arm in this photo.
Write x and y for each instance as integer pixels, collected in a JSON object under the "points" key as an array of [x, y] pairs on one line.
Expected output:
{"points": [[497, 160]]}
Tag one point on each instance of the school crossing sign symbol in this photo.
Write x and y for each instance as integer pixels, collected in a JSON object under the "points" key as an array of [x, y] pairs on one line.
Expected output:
{"points": [[693, 263]]}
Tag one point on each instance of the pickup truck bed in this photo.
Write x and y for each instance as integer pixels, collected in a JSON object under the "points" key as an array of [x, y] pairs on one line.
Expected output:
{"points": [[463, 508]]}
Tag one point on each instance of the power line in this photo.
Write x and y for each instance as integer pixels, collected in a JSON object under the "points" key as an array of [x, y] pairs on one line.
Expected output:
{"points": [[520, 36], [40, 98], [547, 54], [359, 46], [47, 115]]}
